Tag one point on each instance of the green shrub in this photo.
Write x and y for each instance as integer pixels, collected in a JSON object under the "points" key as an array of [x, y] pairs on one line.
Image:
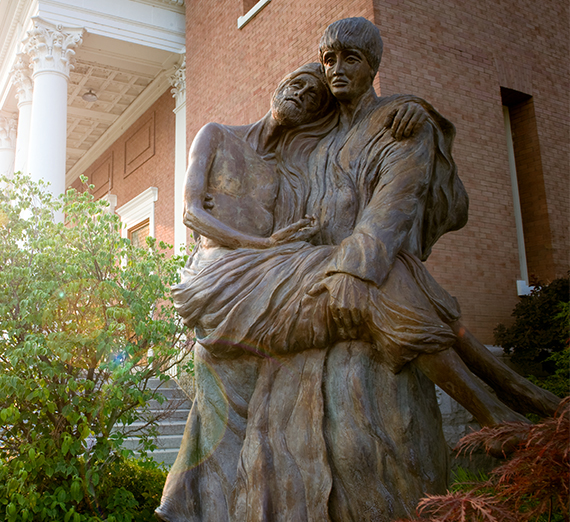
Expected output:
{"points": [[80, 309], [538, 338], [132, 488]]}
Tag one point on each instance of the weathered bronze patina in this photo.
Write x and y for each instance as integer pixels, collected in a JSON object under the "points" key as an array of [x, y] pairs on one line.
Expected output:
{"points": [[319, 329]]}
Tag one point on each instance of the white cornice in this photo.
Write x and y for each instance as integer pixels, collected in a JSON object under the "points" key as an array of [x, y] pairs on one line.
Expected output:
{"points": [[154, 90], [247, 17], [173, 4], [152, 24], [15, 15], [13, 31]]}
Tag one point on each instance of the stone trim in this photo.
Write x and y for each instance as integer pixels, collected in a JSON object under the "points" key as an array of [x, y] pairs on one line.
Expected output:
{"points": [[247, 17], [138, 210]]}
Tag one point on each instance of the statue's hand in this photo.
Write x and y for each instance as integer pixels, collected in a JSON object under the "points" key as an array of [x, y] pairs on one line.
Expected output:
{"points": [[406, 120], [348, 300], [208, 202], [301, 230]]}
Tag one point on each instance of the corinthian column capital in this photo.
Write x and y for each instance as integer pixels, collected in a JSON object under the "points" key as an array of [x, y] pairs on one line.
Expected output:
{"points": [[22, 79], [51, 47], [8, 125], [178, 82]]}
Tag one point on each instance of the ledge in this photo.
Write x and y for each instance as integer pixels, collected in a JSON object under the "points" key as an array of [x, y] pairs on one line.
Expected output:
{"points": [[245, 19]]}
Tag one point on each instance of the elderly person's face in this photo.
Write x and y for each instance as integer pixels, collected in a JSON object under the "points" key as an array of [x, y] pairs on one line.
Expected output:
{"points": [[298, 100], [348, 73]]}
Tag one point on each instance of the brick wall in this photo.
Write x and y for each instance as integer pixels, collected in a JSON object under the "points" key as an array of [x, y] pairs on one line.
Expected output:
{"points": [[231, 72], [457, 55], [142, 157], [453, 53]]}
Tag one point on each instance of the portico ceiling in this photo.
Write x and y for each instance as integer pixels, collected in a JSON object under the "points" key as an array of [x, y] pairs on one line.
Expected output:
{"points": [[117, 79], [87, 121]]}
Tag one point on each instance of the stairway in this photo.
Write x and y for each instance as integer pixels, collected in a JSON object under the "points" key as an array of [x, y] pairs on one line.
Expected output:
{"points": [[173, 412]]}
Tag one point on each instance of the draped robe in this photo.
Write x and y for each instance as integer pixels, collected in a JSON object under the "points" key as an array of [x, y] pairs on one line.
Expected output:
{"points": [[293, 421]]}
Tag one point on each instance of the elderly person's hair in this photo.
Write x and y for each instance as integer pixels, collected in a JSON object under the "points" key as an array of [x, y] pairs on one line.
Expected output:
{"points": [[353, 33], [316, 70]]}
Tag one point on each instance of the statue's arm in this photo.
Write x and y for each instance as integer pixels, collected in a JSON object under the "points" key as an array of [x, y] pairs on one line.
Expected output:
{"points": [[405, 120], [403, 175], [201, 158]]}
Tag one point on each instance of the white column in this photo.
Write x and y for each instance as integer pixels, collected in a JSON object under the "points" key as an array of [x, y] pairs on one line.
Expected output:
{"points": [[7, 144], [178, 82], [22, 79], [51, 51]]}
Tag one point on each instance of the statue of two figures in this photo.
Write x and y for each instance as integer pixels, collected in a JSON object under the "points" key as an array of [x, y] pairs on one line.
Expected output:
{"points": [[319, 329]]}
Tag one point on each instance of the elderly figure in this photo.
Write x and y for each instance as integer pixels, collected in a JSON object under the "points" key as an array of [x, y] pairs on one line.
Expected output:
{"points": [[309, 299]]}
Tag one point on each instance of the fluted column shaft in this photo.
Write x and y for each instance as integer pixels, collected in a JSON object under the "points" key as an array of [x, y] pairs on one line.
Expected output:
{"points": [[22, 78], [7, 144], [178, 82]]}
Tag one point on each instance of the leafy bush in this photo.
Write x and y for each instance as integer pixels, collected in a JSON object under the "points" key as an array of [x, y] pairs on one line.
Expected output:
{"points": [[532, 485], [538, 338], [85, 322], [131, 487]]}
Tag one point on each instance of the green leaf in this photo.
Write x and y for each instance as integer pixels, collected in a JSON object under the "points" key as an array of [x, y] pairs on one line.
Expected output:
{"points": [[76, 325], [61, 495]]}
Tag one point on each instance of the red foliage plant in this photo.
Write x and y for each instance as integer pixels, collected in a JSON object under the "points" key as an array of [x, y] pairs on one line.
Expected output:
{"points": [[532, 482]]}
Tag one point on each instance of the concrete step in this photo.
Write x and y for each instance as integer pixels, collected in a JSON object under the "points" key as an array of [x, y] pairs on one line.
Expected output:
{"points": [[170, 442], [172, 393], [176, 415], [171, 425], [153, 384], [164, 456], [176, 402], [175, 409], [165, 427]]}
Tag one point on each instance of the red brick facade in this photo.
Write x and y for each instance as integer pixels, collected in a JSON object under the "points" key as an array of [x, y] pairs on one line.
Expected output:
{"points": [[455, 54], [458, 55], [142, 157]]}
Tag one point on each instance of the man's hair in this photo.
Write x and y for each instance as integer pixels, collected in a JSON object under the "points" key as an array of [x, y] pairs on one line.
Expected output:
{"points": [[315, 70], [353, 33]]}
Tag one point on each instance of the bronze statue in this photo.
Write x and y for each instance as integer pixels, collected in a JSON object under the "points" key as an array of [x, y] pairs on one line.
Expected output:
{"points": [[313, 310]]}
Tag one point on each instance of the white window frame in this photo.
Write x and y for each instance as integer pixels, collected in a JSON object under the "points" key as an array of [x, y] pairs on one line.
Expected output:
{"points": [[137, 210], [247, 17], [523, 287]]}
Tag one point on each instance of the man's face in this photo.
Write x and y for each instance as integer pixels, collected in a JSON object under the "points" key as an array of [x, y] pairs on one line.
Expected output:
{"points": [[348, 73], [298, 100]]}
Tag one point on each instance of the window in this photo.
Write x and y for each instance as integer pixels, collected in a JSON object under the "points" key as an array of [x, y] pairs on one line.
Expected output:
{"points": [[529, 193], [251, 8], [139, 233], [138, 216]]}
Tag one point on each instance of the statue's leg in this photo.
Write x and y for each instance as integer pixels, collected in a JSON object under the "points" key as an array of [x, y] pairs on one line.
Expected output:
{"points": [[514, 390], [384, 437], [449, 372], [200, 484]]}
